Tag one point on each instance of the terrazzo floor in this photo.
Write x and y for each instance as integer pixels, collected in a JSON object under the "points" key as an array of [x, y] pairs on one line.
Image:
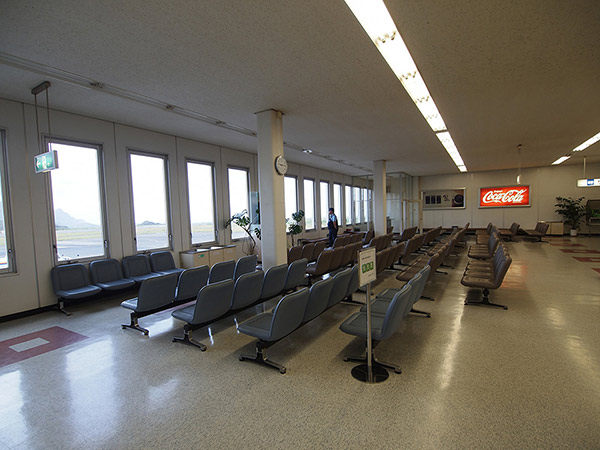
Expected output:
{"points": [[473, 377]]}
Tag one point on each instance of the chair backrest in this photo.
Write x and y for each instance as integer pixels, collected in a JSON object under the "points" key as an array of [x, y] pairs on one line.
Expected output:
{"points": [[389, 256], [398, 251], [368, 236], [288, 314], [396, 312], [191, 281], [501, 271], [419, 284], [323, 262], [246, 264], [355, 238], [347, 256], [319, 247], [380, 258], [318, 299], [213, 301], [341, 280], [160, 261], [356, 248], [136, 265], [295, 274], [353, 284], [221, 271], [247, 289], [414, 282], [336, 258], [493, 243], [273, 281], [105, 270], [69, 276], [544, 227], [307, 251], [339, 242], [514, 228], [436, 260], [294, 254], [157, 292]]}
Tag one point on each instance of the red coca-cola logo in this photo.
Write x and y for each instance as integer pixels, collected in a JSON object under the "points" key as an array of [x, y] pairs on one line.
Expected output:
{"points": [[504, 196]]}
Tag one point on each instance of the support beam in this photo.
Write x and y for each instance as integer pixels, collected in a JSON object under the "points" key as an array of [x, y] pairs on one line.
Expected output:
{"points": [[379, 198], [270, 188]]}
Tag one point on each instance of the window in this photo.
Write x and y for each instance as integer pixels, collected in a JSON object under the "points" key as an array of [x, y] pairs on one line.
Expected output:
{"points": [[77, 203], [150, 205], [356, 197], [365, 204], [309, 204], [337, 201], [6, 262], [201, 197], [324, 193], [348, 204], [291, 196], [238, 198]]}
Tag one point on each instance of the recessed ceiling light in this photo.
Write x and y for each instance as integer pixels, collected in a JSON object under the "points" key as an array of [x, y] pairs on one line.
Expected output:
{"points": [[587, 143], [307, 150], [561, 160]]}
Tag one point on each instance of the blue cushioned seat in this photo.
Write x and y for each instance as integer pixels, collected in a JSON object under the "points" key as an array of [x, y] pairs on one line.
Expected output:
{"points": [[247, 290], [107, 274], [245, 264], [190, 282], [341, 280], [221, 271], [162, 262], [296, 274], [70, 282], [137, 268], [318, 299], [274, 281]]}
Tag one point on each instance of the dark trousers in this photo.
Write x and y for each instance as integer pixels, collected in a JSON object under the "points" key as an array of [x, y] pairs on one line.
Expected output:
{"points": [[332, 236]]}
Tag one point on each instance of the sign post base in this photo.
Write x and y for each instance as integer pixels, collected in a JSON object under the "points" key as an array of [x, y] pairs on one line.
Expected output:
{"points": [[361, 373]]}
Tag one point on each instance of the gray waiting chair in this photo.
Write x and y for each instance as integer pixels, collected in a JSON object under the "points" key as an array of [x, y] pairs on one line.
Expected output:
{"points": [[246, 264], [137, 268], [247, 290], [163, 262], [221, 271], [318, 299], [296, 275], [190, 282], [71, 282], [382, 326], [107, 274], [352, 284], [270, 327], [273, 282], [212, 302], [341, 280], [155, 294]]}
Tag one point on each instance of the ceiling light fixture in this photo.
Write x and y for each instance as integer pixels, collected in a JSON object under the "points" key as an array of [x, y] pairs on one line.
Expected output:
{"points": [[561, 160], [450, 147], [587, 143], [379, 25]]}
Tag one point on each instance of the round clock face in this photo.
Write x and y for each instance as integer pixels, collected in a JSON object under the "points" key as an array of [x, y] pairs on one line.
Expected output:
{"points": [[281, 165]]}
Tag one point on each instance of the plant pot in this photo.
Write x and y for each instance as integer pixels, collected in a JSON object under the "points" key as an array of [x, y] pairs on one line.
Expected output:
{"points": [[573, 232]]}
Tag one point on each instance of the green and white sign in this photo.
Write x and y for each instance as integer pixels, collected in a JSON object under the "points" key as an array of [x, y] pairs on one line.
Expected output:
{"points": [[367, 272], [45, 162]]}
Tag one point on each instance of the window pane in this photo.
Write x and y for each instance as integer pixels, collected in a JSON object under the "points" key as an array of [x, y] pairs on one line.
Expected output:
{"points": [[348, 204], [238, 198], [309, 204], [76, 198], [201, 194], [365, 204], [291, 197], [5, 264], [149, 201], [337, 201], [356, 196], [324, 193]]}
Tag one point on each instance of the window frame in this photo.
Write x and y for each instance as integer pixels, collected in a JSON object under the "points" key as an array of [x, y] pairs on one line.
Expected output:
{"points": [[215, 206], [247, 170], [101, 190], [365, 204], [165, 158], [326, 206], [6, 199], [357, 211], [295, 178], [314, 211], [339, 211], [348, 205]]}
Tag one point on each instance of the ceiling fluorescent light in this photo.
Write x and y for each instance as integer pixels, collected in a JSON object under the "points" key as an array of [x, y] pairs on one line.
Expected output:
{"points": [[450, 147], [561, 160], [587, 143]]}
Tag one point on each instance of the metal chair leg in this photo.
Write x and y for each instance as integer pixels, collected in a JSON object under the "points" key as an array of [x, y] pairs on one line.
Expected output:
{"points": [[134, 325], [261, 358], [61, 308], [485, 301], [431, 299], [187, 339], [417, 311]]}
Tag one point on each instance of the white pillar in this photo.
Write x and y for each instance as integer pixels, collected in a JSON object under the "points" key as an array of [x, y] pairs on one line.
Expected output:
{"points": [[270, 188], [379, 198]]}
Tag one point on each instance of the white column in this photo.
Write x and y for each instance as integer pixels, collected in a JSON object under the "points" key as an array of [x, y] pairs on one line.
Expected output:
{"points": [[270, 188], [379, 198]]}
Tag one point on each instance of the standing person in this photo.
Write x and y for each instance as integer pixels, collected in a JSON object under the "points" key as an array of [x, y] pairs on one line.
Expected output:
{"points": [[332, 224]]}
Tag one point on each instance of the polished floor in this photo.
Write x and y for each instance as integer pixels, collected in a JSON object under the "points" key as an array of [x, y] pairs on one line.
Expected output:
{"points": [[473, 377]]}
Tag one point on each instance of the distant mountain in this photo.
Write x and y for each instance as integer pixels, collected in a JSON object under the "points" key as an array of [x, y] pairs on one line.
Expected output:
{"points": [[64, 220], [148, 222]]}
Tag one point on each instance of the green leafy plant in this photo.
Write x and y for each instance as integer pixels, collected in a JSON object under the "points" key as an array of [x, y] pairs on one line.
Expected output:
{"points": [[571, 210], [294, 225], [243, 221]]}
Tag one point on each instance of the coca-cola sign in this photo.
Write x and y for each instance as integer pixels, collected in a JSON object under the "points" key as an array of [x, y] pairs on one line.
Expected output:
{"points": [[504, 196]]}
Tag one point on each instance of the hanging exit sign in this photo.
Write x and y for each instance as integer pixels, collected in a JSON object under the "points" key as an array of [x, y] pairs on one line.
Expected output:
{"points": [[46, 161]]}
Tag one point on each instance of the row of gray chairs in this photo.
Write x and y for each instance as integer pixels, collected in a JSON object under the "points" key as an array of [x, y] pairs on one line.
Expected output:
{"points": [[295, 310], [223, 298], [157, 293], [333, 259], [487, 275]]}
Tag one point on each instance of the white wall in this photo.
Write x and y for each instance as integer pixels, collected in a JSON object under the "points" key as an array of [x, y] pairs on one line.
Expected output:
{"points": [[546, 183], [30, 287]]}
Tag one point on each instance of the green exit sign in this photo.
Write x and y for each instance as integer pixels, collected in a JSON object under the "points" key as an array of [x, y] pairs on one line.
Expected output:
{"points": [[46, 161]]}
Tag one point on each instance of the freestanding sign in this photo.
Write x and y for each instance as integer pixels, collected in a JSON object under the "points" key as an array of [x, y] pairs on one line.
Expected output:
{"points": [[45, 162], [366, 266], [495, 197]]}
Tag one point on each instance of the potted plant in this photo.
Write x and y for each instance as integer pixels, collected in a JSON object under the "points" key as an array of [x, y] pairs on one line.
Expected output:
{"points": [[572, 211], [243, 221], [294, 225]]}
